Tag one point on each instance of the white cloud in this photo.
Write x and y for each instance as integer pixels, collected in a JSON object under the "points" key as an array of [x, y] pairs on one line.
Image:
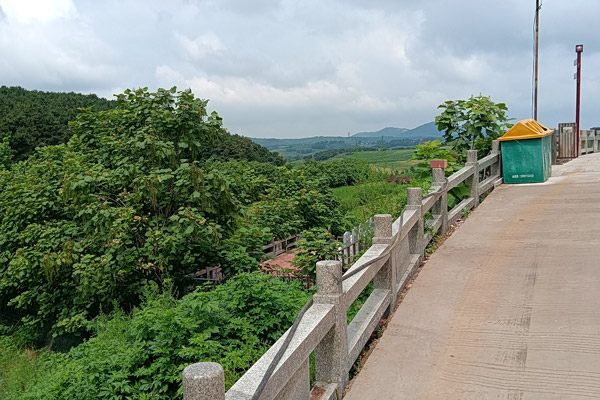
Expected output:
{"points": [[285, 67], [46, 46], [36, 11], [202, 46]]}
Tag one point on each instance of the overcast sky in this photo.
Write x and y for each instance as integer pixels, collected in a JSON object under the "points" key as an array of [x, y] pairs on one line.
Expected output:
{"points": [[297, 68]]}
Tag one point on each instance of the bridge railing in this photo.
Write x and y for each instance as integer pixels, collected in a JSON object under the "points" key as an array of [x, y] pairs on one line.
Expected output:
{"points": [[589, 141], [283, 372]]}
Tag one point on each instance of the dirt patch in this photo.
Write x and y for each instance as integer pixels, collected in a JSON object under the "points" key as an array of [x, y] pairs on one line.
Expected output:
{"points": [[317, 393], [281, 266]]}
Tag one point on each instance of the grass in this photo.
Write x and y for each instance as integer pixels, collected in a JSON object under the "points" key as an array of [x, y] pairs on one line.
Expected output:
{"points": [[19, 369], [359, 203]]}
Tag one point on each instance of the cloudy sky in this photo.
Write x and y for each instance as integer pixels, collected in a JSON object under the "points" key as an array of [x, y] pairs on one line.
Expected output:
{"points": [[296, 68]]}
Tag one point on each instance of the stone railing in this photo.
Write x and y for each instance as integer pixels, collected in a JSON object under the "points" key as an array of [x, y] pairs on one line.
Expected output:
{"points": [[589, 141], [322, 328]]}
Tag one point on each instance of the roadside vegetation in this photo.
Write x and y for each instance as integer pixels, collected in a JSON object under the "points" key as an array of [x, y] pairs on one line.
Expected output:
{"points": [[102, 233]]}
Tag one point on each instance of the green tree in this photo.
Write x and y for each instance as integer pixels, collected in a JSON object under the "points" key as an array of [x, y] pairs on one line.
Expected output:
{"points": [[472, 124]]}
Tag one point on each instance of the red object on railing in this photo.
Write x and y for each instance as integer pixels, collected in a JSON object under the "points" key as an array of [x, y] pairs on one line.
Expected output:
{"points": [[438, 164]]}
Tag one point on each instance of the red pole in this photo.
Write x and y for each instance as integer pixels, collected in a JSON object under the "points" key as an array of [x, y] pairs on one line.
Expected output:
{"points": [[578, 50], [537, 39]]}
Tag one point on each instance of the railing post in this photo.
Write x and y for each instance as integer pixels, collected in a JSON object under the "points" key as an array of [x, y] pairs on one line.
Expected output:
{"points": [[440, 209], [414, 201], [473, 181], [497, 166], [331, 354], [204, 381], [386, 277]]}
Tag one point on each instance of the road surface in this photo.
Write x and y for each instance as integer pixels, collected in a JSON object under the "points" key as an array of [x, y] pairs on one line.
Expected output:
{"points": [[508, 307]]}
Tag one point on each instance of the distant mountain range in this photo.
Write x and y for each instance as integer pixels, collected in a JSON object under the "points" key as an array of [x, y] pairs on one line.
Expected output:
{"points": [[428, 130], [294, 149]]}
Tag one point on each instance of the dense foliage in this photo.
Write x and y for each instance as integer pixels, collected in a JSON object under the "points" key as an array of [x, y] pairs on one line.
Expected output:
{"points": [[133, 198], [31, 118], [130, 199], [141, 356]]}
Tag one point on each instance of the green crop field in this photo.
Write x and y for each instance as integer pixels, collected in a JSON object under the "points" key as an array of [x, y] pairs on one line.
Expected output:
{"points": [[395, 159]]}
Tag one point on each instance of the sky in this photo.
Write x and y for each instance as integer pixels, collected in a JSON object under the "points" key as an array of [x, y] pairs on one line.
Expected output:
{"points": [[300, 68]]}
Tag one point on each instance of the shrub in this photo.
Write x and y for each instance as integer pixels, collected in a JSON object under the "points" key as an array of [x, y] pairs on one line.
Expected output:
{"points": [[142, 356]]}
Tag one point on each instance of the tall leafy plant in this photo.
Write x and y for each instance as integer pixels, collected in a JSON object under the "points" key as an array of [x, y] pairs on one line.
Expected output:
{"points": [[472, 124]]}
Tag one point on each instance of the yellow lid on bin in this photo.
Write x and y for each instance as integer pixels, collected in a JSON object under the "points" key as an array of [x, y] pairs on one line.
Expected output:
{"points": [[526, 129]]}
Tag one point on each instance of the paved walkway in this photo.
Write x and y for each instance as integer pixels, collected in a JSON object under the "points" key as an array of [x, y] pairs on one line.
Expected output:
{"points": [[508, 307]]}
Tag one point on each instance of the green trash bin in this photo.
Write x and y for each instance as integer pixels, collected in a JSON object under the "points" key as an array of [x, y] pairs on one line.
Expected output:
{"points": [[526, 152]]}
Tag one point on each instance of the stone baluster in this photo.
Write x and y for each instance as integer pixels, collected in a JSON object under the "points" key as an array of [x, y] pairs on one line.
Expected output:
{"points": [[204, 381], [440, 209], [414, 201], [332, 352], [386, 277], [473, 181]]}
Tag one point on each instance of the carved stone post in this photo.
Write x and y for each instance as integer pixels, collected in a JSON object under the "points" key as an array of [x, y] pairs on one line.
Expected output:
{"points": [[414, 201], [204, 381], [497, 167], [473, 181], [386, 277], [332, 353], [440, 209]]}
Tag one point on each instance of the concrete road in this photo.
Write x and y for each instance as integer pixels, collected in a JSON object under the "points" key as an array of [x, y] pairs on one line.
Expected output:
{"points": [[508, 307]]}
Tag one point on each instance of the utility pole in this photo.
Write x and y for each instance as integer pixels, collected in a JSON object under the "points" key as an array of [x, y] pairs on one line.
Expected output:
{"points": [[537, 38], [578, 50]]}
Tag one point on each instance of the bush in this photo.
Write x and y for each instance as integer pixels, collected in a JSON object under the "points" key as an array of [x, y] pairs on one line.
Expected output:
{"points": [[142, 356], [338, 172], [317, 245]]}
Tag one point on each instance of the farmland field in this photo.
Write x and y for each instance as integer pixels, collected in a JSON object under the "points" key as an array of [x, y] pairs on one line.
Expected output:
{"points": [[395, 159]]}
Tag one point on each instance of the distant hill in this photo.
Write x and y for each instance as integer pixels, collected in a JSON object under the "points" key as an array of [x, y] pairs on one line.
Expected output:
{"points": [[295, 149], [428, 130], [385, 132]]}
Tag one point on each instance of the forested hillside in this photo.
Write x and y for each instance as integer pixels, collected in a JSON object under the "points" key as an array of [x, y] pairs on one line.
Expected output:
{"points": [[31, 118]]}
